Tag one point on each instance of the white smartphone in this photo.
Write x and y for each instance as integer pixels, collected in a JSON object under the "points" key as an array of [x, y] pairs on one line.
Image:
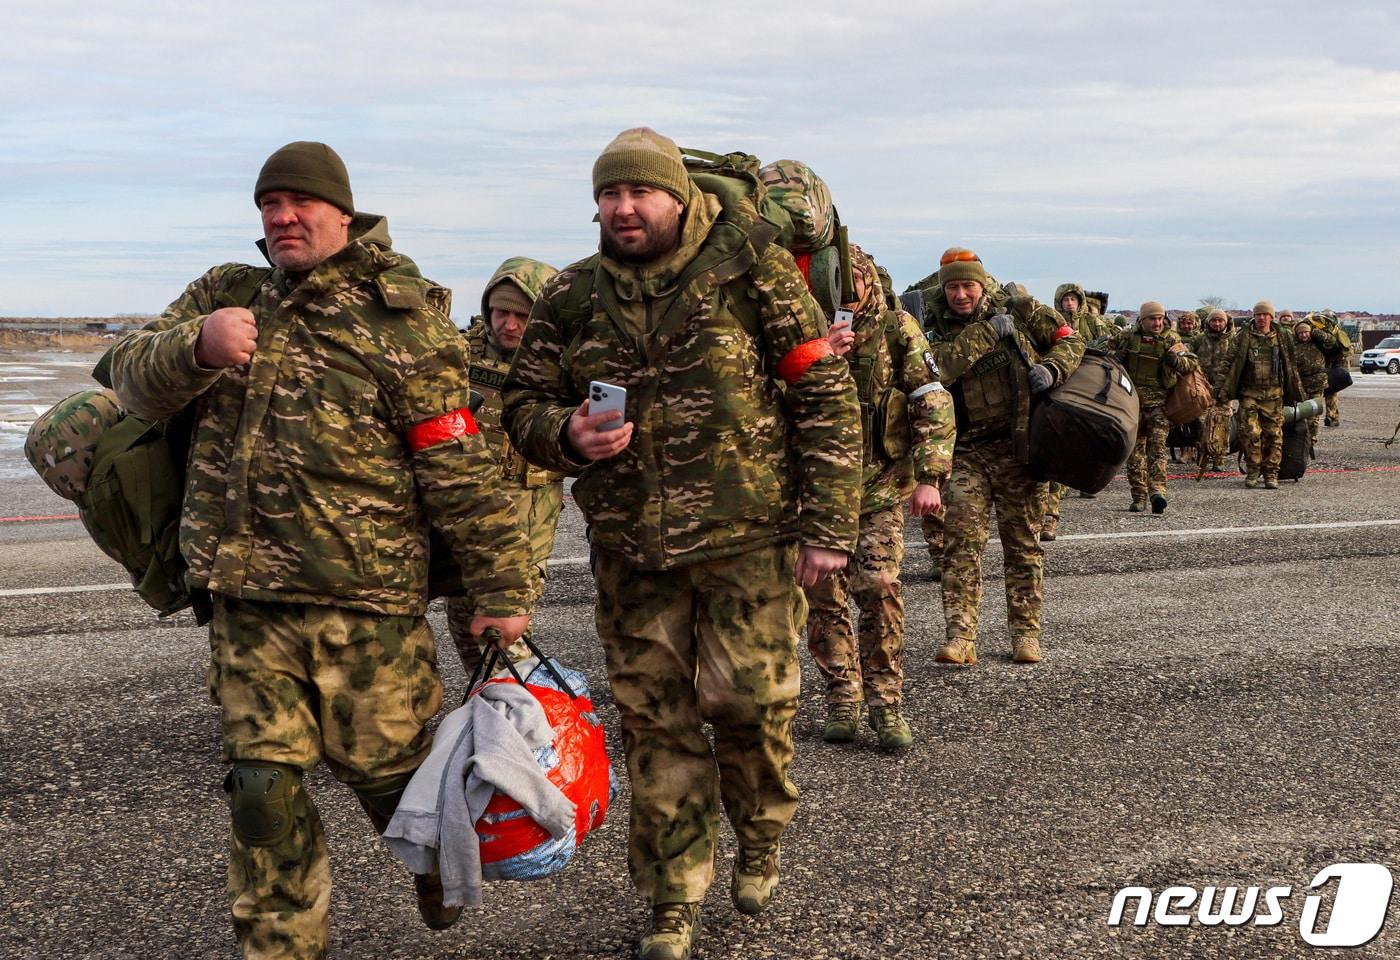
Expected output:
{"points": [[605, 397], [844, 318]]}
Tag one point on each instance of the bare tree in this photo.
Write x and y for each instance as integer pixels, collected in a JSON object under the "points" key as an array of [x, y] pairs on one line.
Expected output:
{"points": [[1216, 303]]}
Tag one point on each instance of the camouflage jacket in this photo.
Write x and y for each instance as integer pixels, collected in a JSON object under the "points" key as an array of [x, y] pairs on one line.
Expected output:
{"points": [[985, 373], [1264, 365], [1214, 351], [1312, 364], [1082, 321], [907, 418], [721, 460], [1152, 364], [489, 365], [303, 484]]}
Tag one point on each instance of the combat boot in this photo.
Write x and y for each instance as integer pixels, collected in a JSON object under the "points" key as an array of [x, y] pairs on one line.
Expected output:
{"points": [[1251, 479], [1159, 502], [960, 650], [435, 914], [1025, 650], [841, 722], [891, 727], [755, 878], [1086, 495], [1271, 482], [1137, 506], [1047, 532], [674, 929]]}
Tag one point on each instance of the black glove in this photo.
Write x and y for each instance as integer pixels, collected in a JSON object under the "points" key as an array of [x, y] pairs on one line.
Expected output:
{"points": [[1040, 377], [1003, 325]]}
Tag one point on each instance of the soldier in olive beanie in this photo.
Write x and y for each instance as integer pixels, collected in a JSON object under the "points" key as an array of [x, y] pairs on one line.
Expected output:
{"points": [[959, 263], [641, 155], [1151, 308], [308, 167], [1264, 306]]}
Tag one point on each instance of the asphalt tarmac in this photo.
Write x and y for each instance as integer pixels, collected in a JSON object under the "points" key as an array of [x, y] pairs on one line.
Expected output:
{"points": [[1217, 707]]}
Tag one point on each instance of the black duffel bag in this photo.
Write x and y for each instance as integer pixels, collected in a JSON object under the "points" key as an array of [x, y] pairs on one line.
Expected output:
{"points": [[1338, 379], [1082, 430]]}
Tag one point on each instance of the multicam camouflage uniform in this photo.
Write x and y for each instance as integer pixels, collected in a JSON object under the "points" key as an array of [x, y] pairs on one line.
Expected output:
{"points": [[538, 495], [1263, 377], [890, 360], [1312, 371], [1090, 327], [1153, 361], [309, 494], [1213, 351], [990, 398], [694, 526]]}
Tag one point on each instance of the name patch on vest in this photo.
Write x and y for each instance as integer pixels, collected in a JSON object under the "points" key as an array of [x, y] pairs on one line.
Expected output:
{"points": [[485, 377], [990, 363]]}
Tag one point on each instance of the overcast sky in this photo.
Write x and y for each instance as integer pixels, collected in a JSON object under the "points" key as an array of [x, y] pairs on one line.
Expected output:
{"points": [[1167, 151]]}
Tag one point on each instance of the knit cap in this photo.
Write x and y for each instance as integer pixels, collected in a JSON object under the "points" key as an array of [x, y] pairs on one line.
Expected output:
{"points": [[960, 263], [1263, 306], [305, 166], [1151, 309], [641, 155]]}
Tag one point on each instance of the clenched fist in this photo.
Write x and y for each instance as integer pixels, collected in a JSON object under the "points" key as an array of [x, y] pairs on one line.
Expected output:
{"points": [[227, 339]]}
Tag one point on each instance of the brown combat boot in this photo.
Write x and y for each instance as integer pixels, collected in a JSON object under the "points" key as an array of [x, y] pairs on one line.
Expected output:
{"points": [[1137, 506], [1048, 530], [960, 650], [755, 878], [674, 929], [842, 719], [1025, 650], [1271, 481], [435, 914], [1251, 479]]}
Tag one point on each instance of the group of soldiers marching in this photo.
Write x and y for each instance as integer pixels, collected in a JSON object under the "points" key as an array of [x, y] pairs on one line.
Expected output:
{"points": [[754, 485]]}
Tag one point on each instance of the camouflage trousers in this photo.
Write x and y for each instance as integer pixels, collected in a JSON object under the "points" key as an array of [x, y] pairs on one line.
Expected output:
{"points": [[988, 476], [1050, 494], [711, 642], [538, 509], [932, 526], [1261, 434], [297, 683], [1334, 411], [1215, 434], [875, 671], [1147, 464]]}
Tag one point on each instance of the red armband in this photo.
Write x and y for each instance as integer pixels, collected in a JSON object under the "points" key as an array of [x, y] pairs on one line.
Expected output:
{"points": [[804, 264], [441, 429], [799, 358], [1065, 331]]}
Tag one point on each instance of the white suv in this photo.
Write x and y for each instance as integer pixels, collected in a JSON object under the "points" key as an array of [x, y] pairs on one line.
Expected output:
{"points": [[1383, 356]]}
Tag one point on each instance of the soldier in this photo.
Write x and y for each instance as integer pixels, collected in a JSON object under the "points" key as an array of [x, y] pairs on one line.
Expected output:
{"points": [[1154, 356], [1186, 325], [992, 363], [734, 480], [1311, 353], [538, 494], [1263, 377], [1212, 348], [329, 398], [1096, 302], [1073, 305], [890, 360], [1338, 355]]}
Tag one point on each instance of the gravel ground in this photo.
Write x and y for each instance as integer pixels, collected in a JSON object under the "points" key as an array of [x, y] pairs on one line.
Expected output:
{"points": [[1216, 707]]}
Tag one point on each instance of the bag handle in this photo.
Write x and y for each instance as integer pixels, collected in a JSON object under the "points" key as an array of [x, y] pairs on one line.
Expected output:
{"points": [[486, 665]]}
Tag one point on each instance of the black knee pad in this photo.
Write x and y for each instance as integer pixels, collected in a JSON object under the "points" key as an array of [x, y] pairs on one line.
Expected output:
{"points": [[263, 800]]}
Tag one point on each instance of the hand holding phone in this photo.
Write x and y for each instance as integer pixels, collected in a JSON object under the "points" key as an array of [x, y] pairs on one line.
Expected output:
{"points": [[841, 336], [605, 398]]}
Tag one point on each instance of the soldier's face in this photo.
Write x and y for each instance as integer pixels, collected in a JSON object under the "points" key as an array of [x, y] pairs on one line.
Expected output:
{"points": [[1217, 324], [1188, 324], [639, 223], [962, 296], [1263, 322], [508, 326], [1069, 303], [1304, 333], [1154, 322], [301, 230]]}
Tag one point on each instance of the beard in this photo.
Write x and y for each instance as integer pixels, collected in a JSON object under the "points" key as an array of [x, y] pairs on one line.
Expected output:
{"points": [[658, 238]]}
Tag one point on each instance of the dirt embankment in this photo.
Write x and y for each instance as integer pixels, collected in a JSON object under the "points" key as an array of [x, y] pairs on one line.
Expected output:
{"points": [[48, 340]]}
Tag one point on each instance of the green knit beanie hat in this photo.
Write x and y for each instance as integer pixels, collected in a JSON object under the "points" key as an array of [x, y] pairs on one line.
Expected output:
{"points": [[1263, 306], [641, 155], [305, 166], [1151, 308], [960, 263]]}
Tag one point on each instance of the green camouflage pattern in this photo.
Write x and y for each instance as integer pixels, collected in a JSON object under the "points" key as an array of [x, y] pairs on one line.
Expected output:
{"points": [[302, 486], [806, 198], [1311, 357], [1263, 365], [873, 669], [529, 275], [1213, 350], [1147, 464], [989, 476], [1215, 434], [1261, 434], [770, 464], [1050, 494], [61, 443], [984, 374], [931, 526], [714, 641], [1086, 323], [1334, 410], [1151, 364], [297, 683]]}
